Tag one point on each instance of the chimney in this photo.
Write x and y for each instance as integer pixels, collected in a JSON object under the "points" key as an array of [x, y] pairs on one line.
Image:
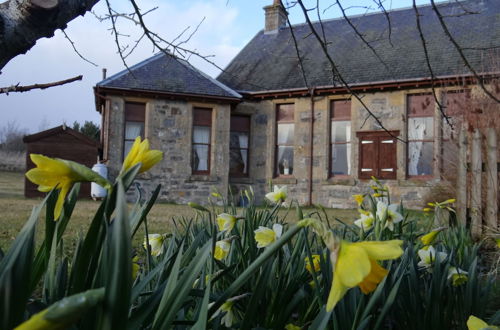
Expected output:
{"points": [[104, 73], [275, 17]]}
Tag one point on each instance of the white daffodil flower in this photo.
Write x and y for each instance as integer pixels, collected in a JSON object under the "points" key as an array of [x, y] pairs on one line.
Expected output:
{"points": [[428, 256], [457, 276], [365, 222], [389, 214], [265, 236], [156, 244], [278, 195], [226, 222], [222, 249]]}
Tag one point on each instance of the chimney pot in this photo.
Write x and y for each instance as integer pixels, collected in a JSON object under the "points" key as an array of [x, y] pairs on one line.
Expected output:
{"points": [[276, 17], [104, 73]]}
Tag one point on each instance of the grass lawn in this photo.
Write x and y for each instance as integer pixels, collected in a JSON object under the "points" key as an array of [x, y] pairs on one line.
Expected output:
{"points": [[16, 210]]}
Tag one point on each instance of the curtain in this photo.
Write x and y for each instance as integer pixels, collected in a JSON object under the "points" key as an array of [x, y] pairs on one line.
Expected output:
{"points": [[201, 134], [133, 130], [416, 132], [243, 140]]}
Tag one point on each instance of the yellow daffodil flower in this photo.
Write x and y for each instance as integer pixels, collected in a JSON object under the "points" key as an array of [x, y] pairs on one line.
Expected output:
{"points": [[365, 222], [355, 264], [156, 243], [265, 236], [222, 249], [226, 222], [55, 173], [474, 323], [497, 241], [457, 276], [278, 195], [359, 199], [428, 256], [427, 209], [229, 318], [140, 153], [291, 326], [430, 237], [316, 260], [389, 214], [377, 195], [216, 194]]}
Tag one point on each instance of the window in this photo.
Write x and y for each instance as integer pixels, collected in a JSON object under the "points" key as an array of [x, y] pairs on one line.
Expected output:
{"points": [[420, 134], [135, 114], [340, 139], [455, 103], [377, 155], [202, 127], [285, 139], [238, 145]]}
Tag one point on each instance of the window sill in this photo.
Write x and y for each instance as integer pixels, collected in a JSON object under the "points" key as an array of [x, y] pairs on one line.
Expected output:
{"points": [[345, 181], [203, 178], [284, 180], [418, 182], [242, 179]]}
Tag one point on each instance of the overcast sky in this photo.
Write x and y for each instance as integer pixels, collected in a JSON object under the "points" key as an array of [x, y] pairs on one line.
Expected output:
{"points": [[228, 25]]}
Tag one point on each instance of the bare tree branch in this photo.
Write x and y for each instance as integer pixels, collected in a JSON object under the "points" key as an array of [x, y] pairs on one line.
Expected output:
{"points": [[76, 50], [21, 89]]}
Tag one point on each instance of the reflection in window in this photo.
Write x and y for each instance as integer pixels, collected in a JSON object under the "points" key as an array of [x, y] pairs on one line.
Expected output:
{"points": [[285, 139], [420, 134], [238, 145], [134, 124], [340, 139], [202, 126]]}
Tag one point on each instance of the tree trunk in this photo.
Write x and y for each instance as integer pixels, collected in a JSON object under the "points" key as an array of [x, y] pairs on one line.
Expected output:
{"points": [[476, 169], [462, 177], [23, 22], [492, 183]]}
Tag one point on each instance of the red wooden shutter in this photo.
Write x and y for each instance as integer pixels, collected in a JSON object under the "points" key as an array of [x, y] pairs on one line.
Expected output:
{"points": [[387, 158], [368, 157]]}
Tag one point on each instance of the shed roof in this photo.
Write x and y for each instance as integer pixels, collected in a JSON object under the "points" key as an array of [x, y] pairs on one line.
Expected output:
{"points": [[269, 62], [58, 130], [167, 74]]}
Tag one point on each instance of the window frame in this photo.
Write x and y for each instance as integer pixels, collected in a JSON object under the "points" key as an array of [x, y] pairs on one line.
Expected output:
{"points": [[209, 144], [134, 120], [276, 172], [331, 143], [249, 118], [433, 140]]}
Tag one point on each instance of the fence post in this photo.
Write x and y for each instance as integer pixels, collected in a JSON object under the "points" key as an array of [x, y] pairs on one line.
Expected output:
{"points": [[492, 182], [462, 177], [475, 200]]}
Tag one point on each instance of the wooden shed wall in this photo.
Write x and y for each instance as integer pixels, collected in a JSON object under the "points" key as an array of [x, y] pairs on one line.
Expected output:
{"points": [[64, 146]]}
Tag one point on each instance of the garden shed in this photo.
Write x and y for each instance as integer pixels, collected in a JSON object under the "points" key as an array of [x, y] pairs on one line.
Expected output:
{"points": [[60, 142]]}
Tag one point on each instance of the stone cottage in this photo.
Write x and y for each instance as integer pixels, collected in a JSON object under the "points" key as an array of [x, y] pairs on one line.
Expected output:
{"points": [[272, 118]]}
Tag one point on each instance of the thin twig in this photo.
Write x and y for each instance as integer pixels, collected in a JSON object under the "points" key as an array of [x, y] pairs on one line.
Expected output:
{"points": [[21, 89], [76, 50]]}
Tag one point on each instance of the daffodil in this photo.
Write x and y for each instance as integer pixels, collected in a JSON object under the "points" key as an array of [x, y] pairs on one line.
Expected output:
{"points": [[474, 323], [430, 237], [389, 214], [377, 195], [316, 259], [265, 236], [55, 173], [359, 199], [226, 222], [365, 222], [427, 209], [140, 153], [156, 243], [355, 264], [222, 249], [457, 276], [497, 241], [229, 318], [428, 256], [278, 195], [291, 326]]}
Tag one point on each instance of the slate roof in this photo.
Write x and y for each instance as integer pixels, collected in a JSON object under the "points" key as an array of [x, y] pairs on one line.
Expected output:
{"points": [[269, 61], [164, 73]]}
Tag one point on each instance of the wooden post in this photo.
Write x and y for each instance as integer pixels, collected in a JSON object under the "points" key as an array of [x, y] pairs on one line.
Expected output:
{"points": [[462, 177], [475, 200], [492, 182]]}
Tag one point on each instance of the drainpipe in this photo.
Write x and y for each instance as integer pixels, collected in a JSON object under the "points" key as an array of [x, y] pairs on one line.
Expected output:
{"points": [[311, 147]]}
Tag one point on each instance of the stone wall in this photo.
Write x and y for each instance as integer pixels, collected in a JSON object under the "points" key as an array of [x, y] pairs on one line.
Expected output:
{"points": [[169, 128]]}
